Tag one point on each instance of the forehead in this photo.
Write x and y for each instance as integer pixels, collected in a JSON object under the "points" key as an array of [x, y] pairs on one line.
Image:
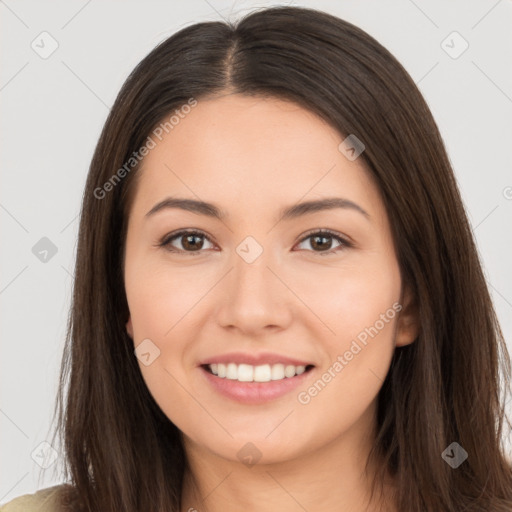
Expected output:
{"points": [[251, 150]]}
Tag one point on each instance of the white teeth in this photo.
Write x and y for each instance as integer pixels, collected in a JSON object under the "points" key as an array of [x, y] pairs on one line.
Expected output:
{"points": [[249, 373], [262, 373], [232, 371], [277, 371], [300, 369], [289, 371], [221, 369], [245, 372]]}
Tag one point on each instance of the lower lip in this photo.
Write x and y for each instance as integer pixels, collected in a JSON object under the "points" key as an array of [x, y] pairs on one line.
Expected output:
{"points": [[254, 392]]}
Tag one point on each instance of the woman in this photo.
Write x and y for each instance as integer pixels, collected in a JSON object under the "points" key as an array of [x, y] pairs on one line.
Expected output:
{"points": [[278, 301]]}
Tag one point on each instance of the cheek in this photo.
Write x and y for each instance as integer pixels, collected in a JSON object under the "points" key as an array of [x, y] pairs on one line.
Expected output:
{"points": [[159, 299], [364, 302], [348, 299], [156, 302], [360, 306], [167, 307], [159, 302]]}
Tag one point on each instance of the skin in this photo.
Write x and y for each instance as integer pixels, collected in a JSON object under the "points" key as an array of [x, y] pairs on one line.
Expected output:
{"points": [[251, 157]]}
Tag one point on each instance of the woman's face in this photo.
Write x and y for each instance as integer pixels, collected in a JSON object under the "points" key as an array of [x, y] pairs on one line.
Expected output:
{"points": [[256, 293]]}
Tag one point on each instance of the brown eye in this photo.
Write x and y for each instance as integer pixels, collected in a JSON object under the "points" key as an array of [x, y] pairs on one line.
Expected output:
{"points": [[190, 242], [322, 242]]}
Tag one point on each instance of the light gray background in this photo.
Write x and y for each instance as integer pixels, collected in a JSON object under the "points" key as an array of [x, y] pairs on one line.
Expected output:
{"points": [[52, 111]]}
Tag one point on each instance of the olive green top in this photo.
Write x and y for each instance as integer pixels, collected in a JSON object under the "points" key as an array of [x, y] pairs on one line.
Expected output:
{"points": [[44, 500]]}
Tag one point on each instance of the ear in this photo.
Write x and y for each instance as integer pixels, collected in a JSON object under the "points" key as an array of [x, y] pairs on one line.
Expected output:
{"points": [[408, 324], [129, 327]]}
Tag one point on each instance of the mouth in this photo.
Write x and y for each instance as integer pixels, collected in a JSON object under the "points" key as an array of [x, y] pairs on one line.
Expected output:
{"points": [[259, 373], [255, 384]]}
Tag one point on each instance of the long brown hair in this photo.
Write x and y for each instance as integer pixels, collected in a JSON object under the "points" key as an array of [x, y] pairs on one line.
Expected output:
{"points": [[121, 451]]}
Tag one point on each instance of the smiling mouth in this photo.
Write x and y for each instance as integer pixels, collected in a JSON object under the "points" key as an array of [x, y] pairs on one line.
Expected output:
{"points": [[260, 373]]}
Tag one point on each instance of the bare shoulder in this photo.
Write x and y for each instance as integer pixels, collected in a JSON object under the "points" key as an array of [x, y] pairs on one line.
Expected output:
{"points": [[43, 500]]}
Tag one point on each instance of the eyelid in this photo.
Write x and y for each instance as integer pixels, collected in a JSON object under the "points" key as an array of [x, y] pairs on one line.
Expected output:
{"points": [[325, 231]]}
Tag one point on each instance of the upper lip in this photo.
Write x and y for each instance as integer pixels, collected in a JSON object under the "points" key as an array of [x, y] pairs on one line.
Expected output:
{"points": [[254, 359]]}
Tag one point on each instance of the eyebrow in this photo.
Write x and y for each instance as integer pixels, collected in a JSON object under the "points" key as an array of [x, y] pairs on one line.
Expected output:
{"points": [[290, 212]]}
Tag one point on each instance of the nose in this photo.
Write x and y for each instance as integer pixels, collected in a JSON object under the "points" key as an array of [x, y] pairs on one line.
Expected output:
{"points": [[254, 297]]}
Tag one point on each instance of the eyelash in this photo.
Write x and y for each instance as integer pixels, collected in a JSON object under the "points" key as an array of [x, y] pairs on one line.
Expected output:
{"points": [[165, 242]]}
